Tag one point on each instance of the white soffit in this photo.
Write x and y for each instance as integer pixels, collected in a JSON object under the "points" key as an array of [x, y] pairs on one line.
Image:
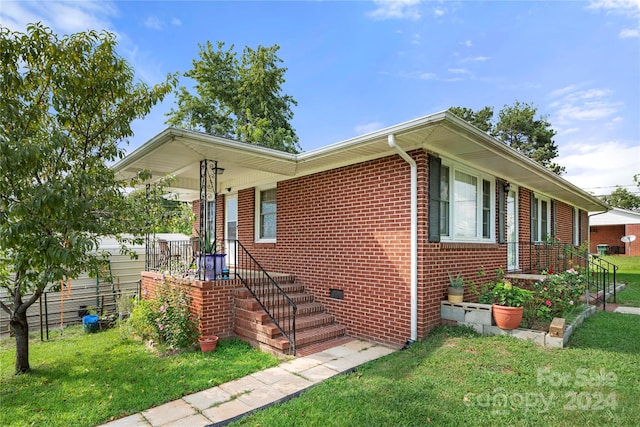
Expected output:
{"points": [[178, 152]]}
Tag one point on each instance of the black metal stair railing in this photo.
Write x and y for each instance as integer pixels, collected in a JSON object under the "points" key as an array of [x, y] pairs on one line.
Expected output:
{"points": [[602, 277], [556, 257], [275, 301]]}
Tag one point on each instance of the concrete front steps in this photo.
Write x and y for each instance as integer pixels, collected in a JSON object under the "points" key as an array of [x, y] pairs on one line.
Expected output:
{"points": [[316, 330]]}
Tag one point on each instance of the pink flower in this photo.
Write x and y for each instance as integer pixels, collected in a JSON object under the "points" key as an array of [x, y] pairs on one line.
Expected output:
{"points": [[570, 302], [163, 308], [161, 326], [548, 303]]}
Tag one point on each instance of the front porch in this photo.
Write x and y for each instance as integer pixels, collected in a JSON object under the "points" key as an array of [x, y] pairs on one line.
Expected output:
{"points": [[269, 310], [535, 258]]}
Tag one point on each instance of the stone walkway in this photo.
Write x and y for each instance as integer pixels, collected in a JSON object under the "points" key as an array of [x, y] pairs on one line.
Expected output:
{"points": [[227, 402], [627, 310]]}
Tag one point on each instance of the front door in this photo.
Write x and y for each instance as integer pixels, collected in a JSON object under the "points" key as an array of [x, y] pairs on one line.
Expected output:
{"points": [[512, 231], [231, 228]]}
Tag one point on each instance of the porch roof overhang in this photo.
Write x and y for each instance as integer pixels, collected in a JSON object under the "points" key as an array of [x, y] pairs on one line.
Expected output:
{"points": [[178, 152]]}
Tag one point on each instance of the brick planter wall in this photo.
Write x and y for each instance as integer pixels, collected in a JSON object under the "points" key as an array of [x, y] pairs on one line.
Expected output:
{"points": [[212, 302]]}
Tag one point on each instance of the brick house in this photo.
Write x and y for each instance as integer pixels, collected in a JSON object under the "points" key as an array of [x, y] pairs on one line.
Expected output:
{"points": [[608, 228], [371, 226]]}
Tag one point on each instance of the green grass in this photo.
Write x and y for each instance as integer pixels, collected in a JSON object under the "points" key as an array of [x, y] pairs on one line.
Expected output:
{"points": [[628, 273], [456, 377], [87, 379]]}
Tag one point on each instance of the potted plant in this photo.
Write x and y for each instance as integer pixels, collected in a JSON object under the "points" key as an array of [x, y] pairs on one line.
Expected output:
{"points": [[212, 261], [208, 343], [456, 288], [508, 302]]}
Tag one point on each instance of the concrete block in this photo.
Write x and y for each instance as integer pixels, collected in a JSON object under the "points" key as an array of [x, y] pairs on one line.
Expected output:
{"points": [[556, 328], [553, 342], [469, 312], [452, 311], [538, 337], [478, 313], [494, 330]]}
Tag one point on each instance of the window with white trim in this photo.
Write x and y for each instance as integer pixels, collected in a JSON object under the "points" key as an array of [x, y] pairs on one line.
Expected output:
{"points": [[467, 205], [540, 218], [266, 218]]}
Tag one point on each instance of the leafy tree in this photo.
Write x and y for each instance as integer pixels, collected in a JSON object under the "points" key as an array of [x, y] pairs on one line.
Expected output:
{"points": [[164, 215], [622, 198], [518, 127], [480, 119], [67, 102], [238, 98]]}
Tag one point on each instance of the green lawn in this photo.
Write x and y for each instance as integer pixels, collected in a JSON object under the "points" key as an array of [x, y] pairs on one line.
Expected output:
{"points": [[87, 379], [456, 377]]}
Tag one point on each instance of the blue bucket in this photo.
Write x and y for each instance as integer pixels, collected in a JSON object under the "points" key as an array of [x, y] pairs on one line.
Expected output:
{"points": [[90, 323]]}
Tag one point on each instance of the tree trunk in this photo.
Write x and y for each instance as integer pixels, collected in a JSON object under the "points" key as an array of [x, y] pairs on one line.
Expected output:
{"points": [[20, 328]]}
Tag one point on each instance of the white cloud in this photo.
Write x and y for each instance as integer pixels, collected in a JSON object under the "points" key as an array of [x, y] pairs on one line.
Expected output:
{"points": [[76, 16], [563, 91], [176, 22], [154, 23], [467, 43], [475, 59], [439, 12], [621, 6], [368, 127], [629, 33], [587, 111], [427, 76], [61, 17], [396, 9], [459, 71], [594, 168], [573, 104]]}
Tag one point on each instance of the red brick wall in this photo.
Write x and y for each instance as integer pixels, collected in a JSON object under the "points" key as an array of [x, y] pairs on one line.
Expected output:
{"points": [[611, 234], [606, 235], [632, 248], [211, 302], [349, 229], [564, 222], [346, 229]]}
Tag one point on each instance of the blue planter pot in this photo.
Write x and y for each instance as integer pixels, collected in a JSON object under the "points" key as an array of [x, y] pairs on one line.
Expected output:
{"points": [[213, 264]]}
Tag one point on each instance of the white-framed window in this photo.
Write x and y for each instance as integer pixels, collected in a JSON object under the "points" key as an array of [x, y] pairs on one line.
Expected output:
{"points": [[266, 218], [540, 218], [467, 205]]}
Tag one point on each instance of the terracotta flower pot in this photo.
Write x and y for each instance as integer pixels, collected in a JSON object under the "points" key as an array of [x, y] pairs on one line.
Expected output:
{"points": [[507, 317], [208, 343]]}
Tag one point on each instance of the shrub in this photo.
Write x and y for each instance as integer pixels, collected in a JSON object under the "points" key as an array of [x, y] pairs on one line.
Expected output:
{"points": [[142, 319], [557, 294], [176, 326], [166, 319]]}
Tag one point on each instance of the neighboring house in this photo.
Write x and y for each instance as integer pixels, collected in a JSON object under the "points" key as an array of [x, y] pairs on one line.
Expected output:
{"points": [[372, 226], [608, 228]]}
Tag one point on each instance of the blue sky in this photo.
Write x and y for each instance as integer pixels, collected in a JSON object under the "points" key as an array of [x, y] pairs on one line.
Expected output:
{"points": [[355, 67]]}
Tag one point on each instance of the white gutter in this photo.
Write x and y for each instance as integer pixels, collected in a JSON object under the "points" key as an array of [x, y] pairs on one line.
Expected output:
{"points": [[414, 234]]}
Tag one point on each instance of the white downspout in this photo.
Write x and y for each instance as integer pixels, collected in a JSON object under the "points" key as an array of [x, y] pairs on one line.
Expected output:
{"points": [[414, 235]]}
